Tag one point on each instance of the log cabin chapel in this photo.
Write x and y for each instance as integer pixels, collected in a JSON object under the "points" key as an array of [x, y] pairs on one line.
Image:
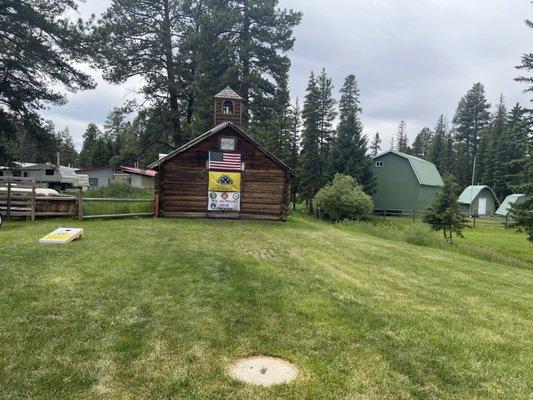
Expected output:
{"points": [[223, 173]]}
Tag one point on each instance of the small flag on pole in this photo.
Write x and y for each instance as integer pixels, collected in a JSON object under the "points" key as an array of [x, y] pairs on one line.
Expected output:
{"points": [[224, 161]]}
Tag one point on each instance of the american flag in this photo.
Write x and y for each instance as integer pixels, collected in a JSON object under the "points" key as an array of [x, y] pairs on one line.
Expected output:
{"points": [[224, 161]]}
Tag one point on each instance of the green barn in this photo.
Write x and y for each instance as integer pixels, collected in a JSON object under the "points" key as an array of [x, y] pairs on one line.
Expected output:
{"points": [[405, 183], [478, 200]]}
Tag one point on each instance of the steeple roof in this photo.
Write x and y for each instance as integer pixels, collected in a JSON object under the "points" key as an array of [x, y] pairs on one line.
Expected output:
{"points": [[228, 93]]}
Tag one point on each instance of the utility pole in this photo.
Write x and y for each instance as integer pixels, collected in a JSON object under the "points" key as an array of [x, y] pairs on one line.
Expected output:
{"points": [[472, 185], [57, 158]]}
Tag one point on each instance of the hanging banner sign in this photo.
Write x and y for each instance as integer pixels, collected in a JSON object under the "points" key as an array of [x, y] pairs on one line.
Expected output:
{"points": [[224, 181], [223, 201]]}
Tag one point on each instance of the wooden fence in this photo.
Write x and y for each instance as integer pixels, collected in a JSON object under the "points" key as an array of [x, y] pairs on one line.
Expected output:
{"points": [[18, 199]]}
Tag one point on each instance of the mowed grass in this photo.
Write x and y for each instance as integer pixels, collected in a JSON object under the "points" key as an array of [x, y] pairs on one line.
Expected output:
{"points": [[157, 309]]}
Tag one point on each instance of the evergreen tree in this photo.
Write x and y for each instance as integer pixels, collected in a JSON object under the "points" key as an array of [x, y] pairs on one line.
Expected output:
{"points": [[527, 65], [40, 47], [444, 213], [349, 153], [310, 172], [519, 130], [470, 120], [89, 141], [375, 146], [493, 159], [422, 143], [67, 152], [522, 214], [326, 114], [402, 143], [437, 148], [293, 161], [261, 34]]}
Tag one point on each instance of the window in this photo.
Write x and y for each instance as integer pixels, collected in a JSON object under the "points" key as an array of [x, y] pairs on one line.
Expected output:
{"points": [[93, 182], [25, 174], [227, 144], [49, 172], [1, 173], [379, 164], [16, 173], [227, 107]]}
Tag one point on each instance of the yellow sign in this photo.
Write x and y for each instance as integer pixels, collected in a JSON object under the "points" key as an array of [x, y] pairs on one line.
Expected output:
{"points": [[224, 181]]}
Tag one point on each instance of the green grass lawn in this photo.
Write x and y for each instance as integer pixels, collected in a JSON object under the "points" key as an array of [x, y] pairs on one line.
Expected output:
{"points": [[157, 309]]}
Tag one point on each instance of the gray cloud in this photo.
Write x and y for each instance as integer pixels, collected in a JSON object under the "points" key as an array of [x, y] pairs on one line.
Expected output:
{"points": [[413, 59]]}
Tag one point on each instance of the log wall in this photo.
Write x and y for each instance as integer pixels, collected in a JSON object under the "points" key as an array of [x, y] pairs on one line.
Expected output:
{"points": [[182, 183]]}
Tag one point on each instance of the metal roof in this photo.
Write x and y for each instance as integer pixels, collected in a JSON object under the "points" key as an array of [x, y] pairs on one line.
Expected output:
{"points": [[471, 192], [138, 171], [211, 132], [228, 93], [426, 172], [508, 202]]}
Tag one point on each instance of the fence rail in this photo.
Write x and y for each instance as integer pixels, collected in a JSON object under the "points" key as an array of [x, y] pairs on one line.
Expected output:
{"points": [[18, 199]]}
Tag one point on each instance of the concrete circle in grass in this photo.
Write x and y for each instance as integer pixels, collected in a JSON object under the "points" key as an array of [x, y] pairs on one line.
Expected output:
{"points": [[262, 370]]}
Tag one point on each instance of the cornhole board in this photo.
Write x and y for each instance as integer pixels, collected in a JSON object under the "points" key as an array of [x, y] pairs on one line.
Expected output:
{"points": [[62, 236]]}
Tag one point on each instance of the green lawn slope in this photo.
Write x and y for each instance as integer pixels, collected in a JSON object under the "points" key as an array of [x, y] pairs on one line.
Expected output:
{"points": [[157, 309]]}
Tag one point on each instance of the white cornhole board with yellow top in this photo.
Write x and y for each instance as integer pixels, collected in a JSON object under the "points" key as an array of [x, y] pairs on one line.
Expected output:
{"points": [[62, 236]]}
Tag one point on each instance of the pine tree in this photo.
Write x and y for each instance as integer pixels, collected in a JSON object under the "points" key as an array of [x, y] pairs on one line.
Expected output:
{"points": [[310, 172], [437, 148], [444, 213], [293, 161], [519, 128], [422, 143], [89, 141], [402, 143], [326, 114], [375, 146], [40, 48], [527, 64], [470, 120], [522, 214], [67, 152], [349, 152], [493, 155]]}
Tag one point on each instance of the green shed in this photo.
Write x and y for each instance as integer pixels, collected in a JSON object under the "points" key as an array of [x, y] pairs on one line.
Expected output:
{"points": [[505, 207], [405, 183], [478, 200]]}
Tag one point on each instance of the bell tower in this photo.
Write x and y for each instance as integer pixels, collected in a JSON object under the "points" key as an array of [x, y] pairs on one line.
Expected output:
{"points": [[228, 107]]}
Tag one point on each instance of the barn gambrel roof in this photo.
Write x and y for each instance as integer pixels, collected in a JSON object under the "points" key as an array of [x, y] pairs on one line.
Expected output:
{"points": [[426, 172], [213, 131]]}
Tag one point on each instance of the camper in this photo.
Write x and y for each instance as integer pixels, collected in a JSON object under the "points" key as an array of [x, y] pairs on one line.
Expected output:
{"points": [[56, 177]]}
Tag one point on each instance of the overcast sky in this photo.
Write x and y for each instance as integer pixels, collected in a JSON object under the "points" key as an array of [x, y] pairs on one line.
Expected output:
{"points": [[414, 59]]}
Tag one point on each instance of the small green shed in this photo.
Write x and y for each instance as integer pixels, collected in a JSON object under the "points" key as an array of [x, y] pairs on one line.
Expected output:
{"points": [[478, 200], [505, 207], [405, 183]]}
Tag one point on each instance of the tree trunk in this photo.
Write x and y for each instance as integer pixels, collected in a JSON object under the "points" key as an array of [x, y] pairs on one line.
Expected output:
{"points": [[171, 78]]}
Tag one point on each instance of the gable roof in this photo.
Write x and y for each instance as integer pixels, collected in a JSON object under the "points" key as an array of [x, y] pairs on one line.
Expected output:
{"points": [[426, 172], [228, 93], [505, 207], [210, 133], [471, 192]]}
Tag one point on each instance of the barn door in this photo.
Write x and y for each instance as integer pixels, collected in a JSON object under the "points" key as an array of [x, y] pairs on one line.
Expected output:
{"points": [[482, 206]]}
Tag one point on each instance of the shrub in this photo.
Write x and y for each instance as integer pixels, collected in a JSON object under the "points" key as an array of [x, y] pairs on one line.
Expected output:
{"points": [[343, 199]]}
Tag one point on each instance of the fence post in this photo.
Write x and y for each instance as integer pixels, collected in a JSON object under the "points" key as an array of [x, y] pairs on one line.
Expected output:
{"points": [[8, 205], [383, 214], [506, 221], [155, 207], [79, 201], [474, 223], [33, 194], [414, 214]]}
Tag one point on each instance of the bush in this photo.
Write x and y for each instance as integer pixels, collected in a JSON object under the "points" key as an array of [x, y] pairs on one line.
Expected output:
{"points": [[343, 199]]}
